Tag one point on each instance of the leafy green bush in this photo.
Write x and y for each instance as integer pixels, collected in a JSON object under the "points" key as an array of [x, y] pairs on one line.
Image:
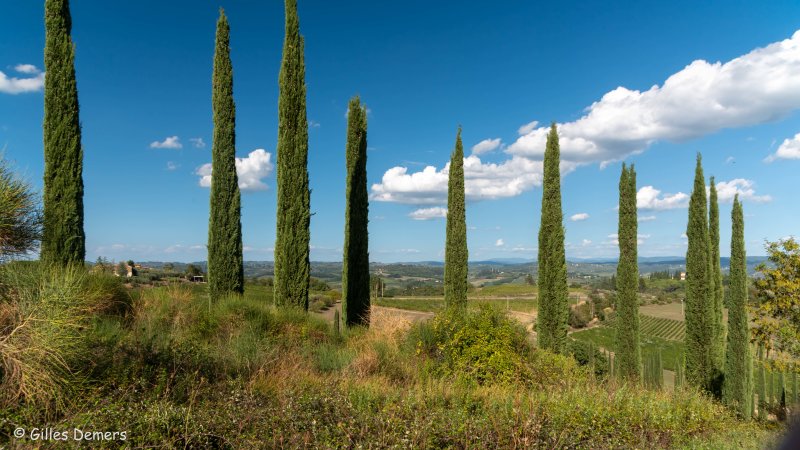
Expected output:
{"points": [[484, 346], [580, 315]]}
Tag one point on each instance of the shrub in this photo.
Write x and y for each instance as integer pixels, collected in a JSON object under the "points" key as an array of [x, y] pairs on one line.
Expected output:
{"points": [[580, 315], [43, 312], [20, 217], [484, 346]]}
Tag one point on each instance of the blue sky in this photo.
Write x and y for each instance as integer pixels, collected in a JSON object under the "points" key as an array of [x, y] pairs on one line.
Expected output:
{"points": [[650, 83]]}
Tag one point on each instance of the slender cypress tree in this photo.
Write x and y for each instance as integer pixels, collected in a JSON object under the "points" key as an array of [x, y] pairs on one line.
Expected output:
{"points": [[737, 390], [63, 238], [699, 304], [292, 265], [355, 267], [552, 279], [456, 253], [718, 343], [225, 265], [629, 354]]}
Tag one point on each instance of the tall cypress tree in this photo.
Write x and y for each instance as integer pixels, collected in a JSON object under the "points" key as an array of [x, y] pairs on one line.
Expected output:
{"points": [[225, 265], [552, 279], [355, 267], [63, 238], [737, 390], [718, 343], [629, 354], [292, 265], [699, 304], [456, 254]]}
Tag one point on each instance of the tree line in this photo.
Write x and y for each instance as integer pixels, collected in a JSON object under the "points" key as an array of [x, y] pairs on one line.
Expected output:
{"points": [[710, 364]]}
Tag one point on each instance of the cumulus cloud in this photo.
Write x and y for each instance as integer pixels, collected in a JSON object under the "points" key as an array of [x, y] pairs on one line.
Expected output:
{"points": [[171, 165], [647, 218], [726, 190], [170, 142], [499, 243], [486, 146], [482, 181], [703, 98], [789, 149], [14, 85], [429, 213], [27, 69], [649, 197], [578, 217], [528, 127], [586, 243], [250, 170], [197, 142]]}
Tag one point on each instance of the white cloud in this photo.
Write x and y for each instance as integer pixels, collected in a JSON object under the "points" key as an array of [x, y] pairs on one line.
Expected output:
{"points": [[649, 197], [250, 170], [171, 165], [27, 69], [647, 218], [482, 181], [436, 212], [14, 85], [170, 142], [726, 190], [703, 98], [578, 217], [499, 243], [586, 242], [528, 127], [730, 160], [198, 142], [486, 146], [789, 149], [313, 124]]}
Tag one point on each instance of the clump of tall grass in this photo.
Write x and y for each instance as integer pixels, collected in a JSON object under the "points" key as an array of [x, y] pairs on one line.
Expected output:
{"points": [[43, 312]]}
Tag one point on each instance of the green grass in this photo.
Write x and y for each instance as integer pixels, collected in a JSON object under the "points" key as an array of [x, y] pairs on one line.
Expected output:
{"points": [[508, 289], [180, 372], [603, 336]]}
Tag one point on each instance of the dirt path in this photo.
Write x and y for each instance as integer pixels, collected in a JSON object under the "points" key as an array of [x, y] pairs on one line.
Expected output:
{"points": [[413, 316]]}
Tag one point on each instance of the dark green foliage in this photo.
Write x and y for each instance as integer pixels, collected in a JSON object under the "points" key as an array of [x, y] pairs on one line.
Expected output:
{"points": [[794, 384], [654, 371], [355, 266], [63, 238], [336, 323], [456, 252], [628, 350], [737, 391], [680, 377], [761, 382], [716, 289], [20, 216], [699, 304], [292, 265], [225, 265], [552, 277]]}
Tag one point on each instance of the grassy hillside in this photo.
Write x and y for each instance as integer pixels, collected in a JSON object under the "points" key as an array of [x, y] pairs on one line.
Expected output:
{"points": [[175, 371]]}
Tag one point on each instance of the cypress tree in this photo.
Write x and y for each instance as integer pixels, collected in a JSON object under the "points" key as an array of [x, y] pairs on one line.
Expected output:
{"points": [[225, 265], [552, 280], [629, 355], [716, 295], [355, 267], [292, 265], [699, 305], [456, 253], [737, 390], [63, 238]]}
